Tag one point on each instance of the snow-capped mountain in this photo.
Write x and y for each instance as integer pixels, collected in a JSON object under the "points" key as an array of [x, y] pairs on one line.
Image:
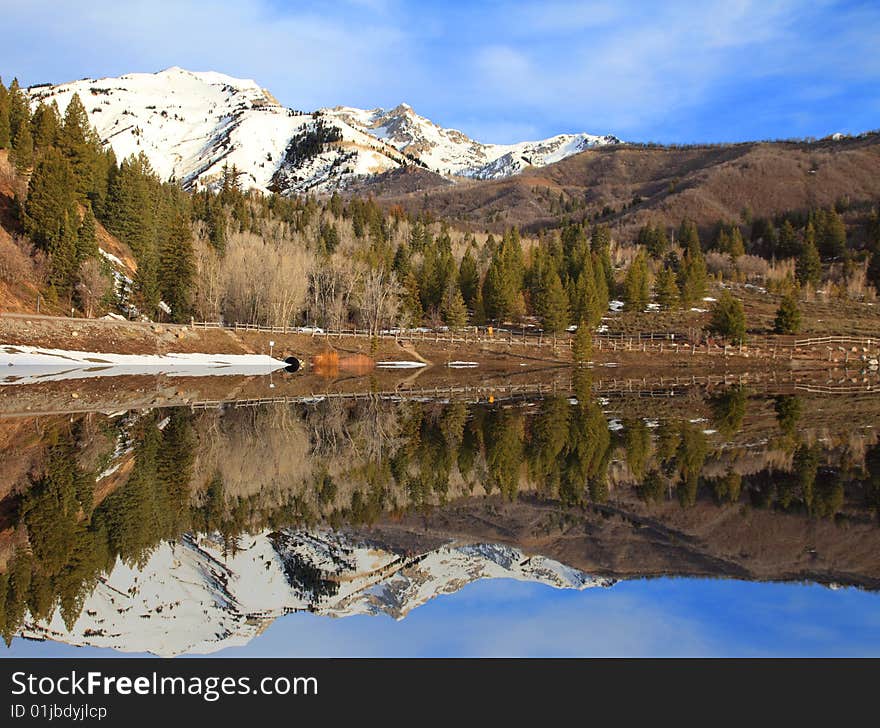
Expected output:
{"points": [[190, 597], [449, 151], [190, 125]]}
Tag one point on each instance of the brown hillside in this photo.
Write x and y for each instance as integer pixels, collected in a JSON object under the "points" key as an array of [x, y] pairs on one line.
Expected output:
{"points": [[21, 270], [626, 539], [705, 183]]}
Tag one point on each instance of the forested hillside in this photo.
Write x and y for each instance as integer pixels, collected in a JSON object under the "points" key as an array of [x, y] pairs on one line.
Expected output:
{"points": [[627, 185], [93, 235]]}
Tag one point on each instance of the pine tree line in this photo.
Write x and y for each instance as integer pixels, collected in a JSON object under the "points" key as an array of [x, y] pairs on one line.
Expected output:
{"points": [[564, 279]]}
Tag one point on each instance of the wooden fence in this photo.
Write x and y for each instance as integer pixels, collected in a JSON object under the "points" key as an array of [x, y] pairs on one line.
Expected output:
{"points": [[642, 387], [654, 342], [867, 342], [657, 342]]}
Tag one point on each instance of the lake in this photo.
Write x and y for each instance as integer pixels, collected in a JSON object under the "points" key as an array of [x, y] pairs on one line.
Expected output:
{"points": [[587, 516]]}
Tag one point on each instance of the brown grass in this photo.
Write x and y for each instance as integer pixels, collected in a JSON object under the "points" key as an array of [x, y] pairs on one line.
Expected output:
{"points": [[701, 183]]}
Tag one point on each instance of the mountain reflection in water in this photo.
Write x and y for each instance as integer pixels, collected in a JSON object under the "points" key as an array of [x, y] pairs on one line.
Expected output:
{"points": [[176, 530]]}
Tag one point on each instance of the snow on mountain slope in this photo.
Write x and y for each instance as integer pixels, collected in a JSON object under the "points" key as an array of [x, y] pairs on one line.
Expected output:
{"points": [[191, 124], [188, 124], [449, 151], [190, 597]]}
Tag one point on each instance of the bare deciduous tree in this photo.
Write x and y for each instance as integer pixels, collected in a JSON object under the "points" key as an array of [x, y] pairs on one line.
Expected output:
{"points": [[378, 299], [91, 285], [209, 278], [332, 289], [263, 280]]}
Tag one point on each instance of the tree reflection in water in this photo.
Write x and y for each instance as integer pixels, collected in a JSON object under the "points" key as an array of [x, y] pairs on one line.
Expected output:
{"points": [[95, 490]]}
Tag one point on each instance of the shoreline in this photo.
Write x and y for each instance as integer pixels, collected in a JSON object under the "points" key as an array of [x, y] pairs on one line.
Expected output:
{"points": [[505, 353]]}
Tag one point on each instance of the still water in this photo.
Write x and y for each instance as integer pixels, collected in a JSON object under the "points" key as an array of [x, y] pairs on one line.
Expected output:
{"points": [[719, 520]]}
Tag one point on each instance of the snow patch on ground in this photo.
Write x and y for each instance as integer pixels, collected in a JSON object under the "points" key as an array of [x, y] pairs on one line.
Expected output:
{"points": [[400, 364], [28, 364]]}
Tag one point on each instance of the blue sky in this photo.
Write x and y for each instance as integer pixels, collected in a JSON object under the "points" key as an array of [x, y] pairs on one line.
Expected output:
{"points": [[658, 617], [500, 71]]}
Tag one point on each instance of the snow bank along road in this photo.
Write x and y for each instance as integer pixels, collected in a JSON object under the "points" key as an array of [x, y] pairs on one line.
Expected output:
{"points": [[23, 364]]}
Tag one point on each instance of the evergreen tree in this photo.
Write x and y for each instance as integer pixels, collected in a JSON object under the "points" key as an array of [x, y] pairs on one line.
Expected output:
{"points": [[402, 261], [19, 110], [728, 318], [830, 234], [454, 311], [104, 170], [87, 236], [692, 275], [479, 315], [602, 273], [728, 488], [498, 293], [468, 278], [502, 289], [789, 409], [808, 268], [45, 126], [729, 240], [131, 203], [688, 237], [764, 238], [653, 238], [146, 282], [435, 274], [600, 240], [62, 257], [722, 239], [575, 249], [23, 149], [582, 346], [177, 268], [418, 237], [874, 271], [666, 289], [51, 198], [789, 246], [216, 220], [690, 457], [5, 131], [600, 244], [636, 287], [873, 231], [729, 409], [329, 238], [79, 143], [583, 297], [335, 205], [788, 315], [737, 246], [410, 301], [553, 306], [230, 189]]}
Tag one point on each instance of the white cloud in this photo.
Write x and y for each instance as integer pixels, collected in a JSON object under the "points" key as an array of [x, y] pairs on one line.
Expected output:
{"points": [[308, 59], [642, 70]]}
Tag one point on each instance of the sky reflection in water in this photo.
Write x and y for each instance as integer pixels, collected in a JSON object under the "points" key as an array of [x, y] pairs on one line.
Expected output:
{"points": [[657, 617]]}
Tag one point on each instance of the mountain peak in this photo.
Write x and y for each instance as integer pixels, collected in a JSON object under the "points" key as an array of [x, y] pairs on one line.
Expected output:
{"points": [[192, 123], [191, 596]]}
